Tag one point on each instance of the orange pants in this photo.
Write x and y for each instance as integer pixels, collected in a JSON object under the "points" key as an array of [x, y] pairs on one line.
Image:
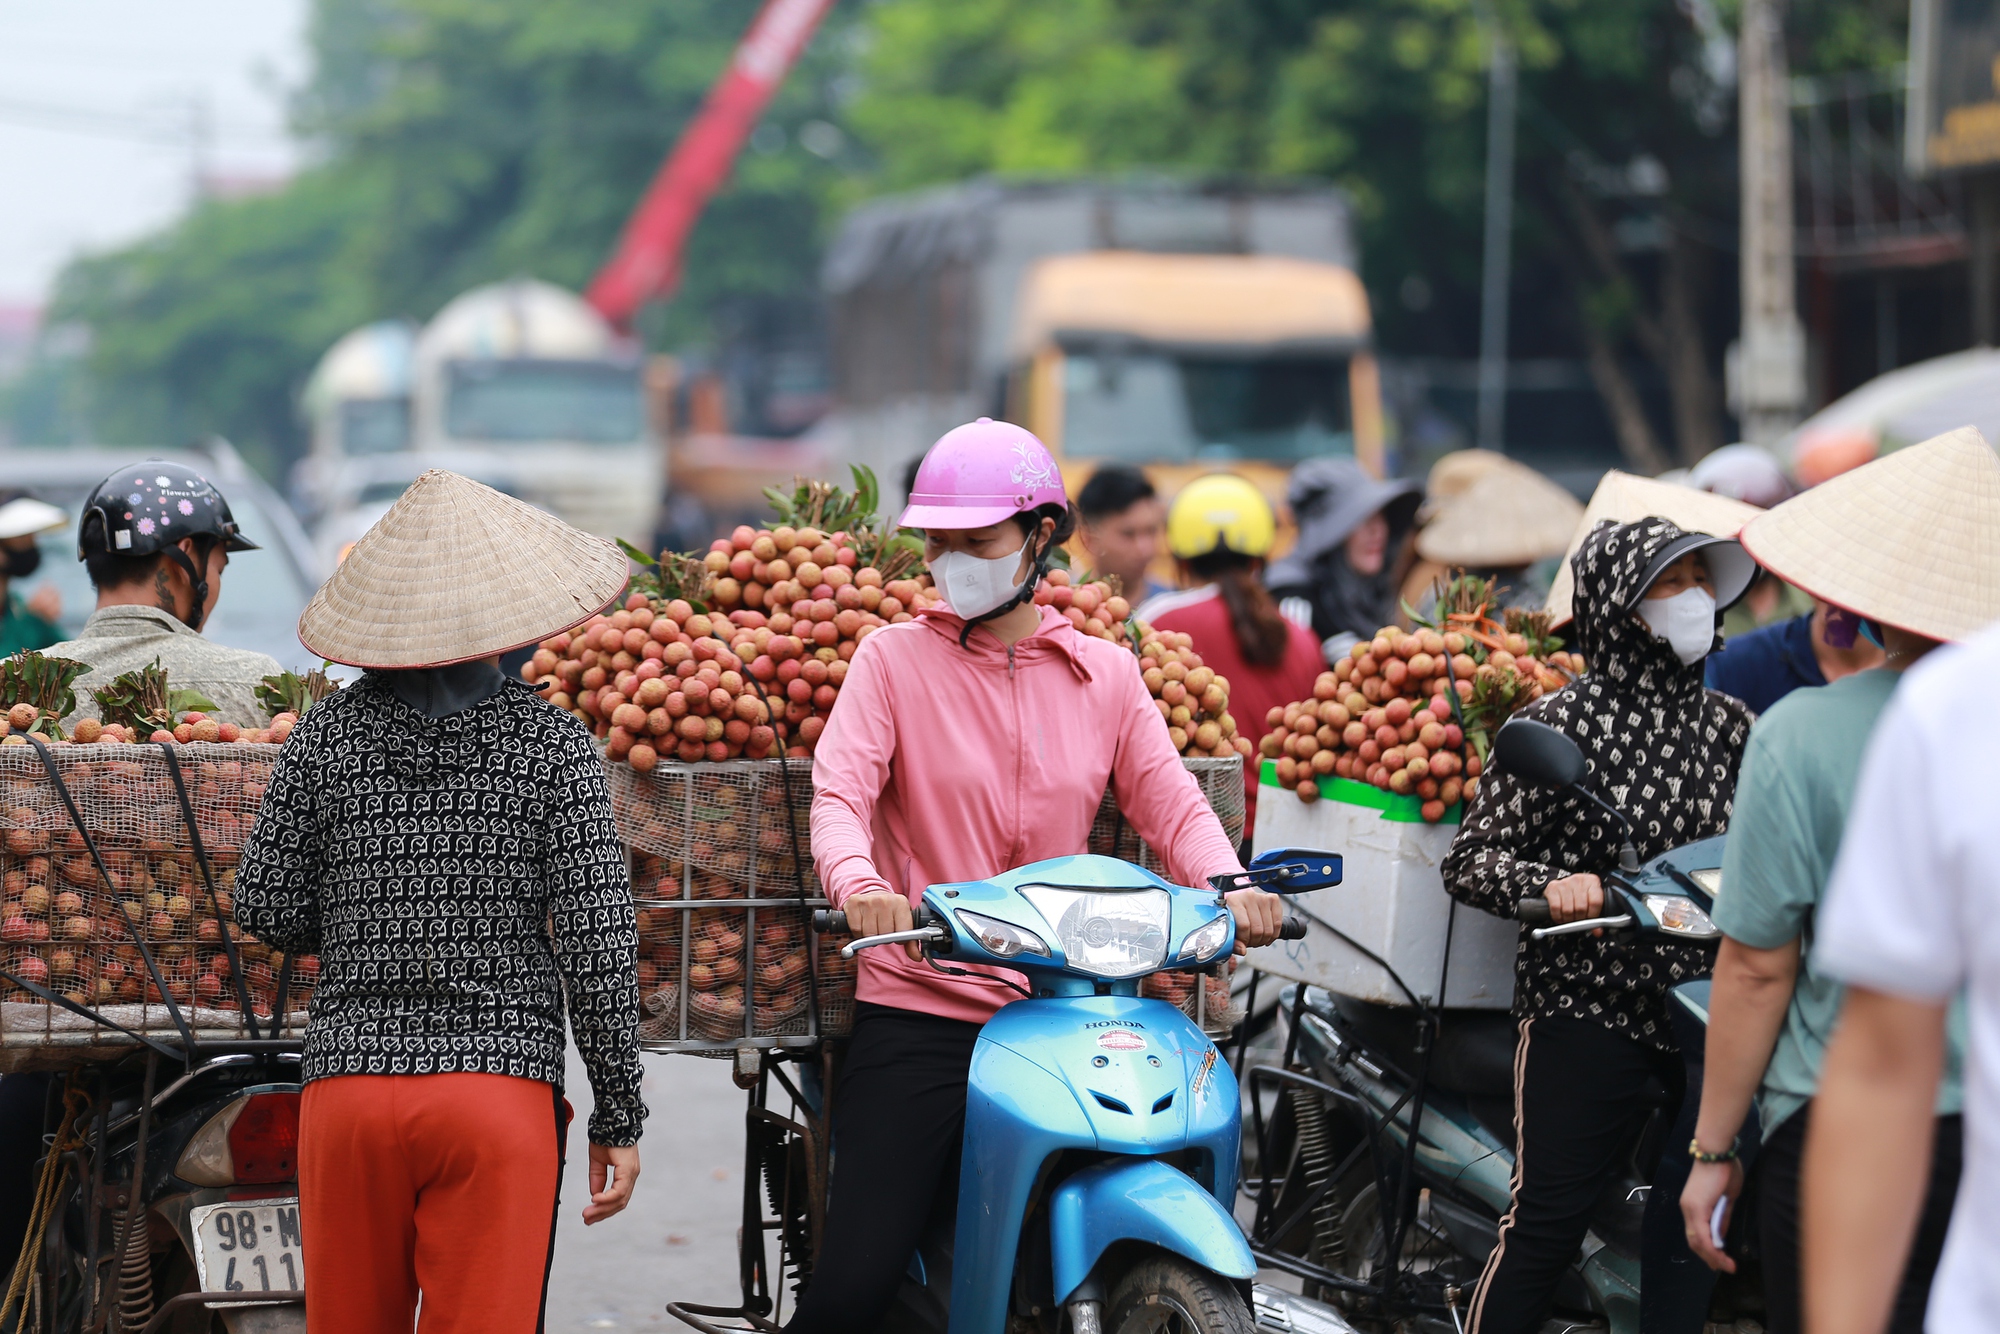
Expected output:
{"points": [[443, 1185]]}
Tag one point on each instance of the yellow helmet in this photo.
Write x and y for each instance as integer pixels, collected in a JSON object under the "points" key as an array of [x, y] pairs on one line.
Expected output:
{"points": [[1220, 510]]}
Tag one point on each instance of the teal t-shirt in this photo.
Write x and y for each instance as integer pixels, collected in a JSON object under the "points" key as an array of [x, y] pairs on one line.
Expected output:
{"points": [[1792, 797]]}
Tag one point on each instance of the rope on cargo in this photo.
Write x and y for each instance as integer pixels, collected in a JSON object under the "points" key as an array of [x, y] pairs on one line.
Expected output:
{"points": [[111, 888], [54, 1181], [214, 902]]}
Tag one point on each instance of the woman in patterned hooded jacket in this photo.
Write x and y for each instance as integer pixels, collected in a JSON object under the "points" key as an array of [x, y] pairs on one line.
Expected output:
{"points": [[1592, 1007]]}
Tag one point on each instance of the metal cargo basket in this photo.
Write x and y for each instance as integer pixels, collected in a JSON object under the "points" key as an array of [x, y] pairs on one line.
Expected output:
{"points": [[117, 869]]}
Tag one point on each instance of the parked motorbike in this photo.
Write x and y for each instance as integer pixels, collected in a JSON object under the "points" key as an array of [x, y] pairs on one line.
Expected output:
{"points": [[1102, 1129], [167, 1195], [1394, 1230], [172, 1202]]}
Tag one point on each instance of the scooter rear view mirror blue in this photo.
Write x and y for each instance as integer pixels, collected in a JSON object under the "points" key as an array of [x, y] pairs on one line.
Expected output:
{"points": [[1294, 870]]}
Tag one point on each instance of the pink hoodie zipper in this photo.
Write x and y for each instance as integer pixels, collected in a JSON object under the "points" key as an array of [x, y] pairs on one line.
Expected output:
{"points": [[905, 777]]}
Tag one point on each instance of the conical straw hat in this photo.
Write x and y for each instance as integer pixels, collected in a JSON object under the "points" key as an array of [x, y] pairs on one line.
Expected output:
{"points": [[1911, 540], [1454, 473], [456, 571], [1623, 498], [1509, 515]]}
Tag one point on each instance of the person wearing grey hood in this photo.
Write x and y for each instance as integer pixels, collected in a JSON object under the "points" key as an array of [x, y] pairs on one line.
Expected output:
{"points": [[1339, 576]]}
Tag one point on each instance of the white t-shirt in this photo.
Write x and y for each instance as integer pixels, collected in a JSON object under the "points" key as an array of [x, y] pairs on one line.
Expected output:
{"points": [[1913, 910]]}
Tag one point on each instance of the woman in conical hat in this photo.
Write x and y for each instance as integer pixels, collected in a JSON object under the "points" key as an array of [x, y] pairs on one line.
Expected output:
{"points": [[1909, 544], [442, 839], [1508, 524]]}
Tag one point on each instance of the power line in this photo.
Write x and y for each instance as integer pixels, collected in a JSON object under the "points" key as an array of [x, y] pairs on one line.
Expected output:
{"points": [[141, 127]]}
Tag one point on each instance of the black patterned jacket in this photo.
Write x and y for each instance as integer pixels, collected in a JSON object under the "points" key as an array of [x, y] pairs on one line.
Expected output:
{"points": [[1662, 749], [456, 877]]}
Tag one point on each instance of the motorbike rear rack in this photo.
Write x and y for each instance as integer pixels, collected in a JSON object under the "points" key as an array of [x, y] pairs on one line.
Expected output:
{"points": [[704, 1319], [174, 1305]]}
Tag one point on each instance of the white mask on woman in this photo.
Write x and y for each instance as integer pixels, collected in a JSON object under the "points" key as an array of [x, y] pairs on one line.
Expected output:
{"points": [[973, 585], [1686, 621]]}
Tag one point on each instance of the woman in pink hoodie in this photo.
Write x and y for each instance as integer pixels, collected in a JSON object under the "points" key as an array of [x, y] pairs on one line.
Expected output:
{"points": [[967, 743]]}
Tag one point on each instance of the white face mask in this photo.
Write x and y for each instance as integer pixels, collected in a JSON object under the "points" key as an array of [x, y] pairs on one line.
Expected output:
{"points": [[972, 585], [1686, 621]]}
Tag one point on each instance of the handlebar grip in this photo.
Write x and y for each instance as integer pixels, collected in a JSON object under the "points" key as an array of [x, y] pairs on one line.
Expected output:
{"points": [[1294, 927], [1533, 911], [833, 922]]}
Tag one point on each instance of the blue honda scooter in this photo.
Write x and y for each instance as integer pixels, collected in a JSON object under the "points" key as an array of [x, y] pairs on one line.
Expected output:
{"points": [[1102, 1129]]}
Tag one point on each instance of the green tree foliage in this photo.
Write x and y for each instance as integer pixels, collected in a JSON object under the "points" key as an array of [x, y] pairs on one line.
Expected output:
{"points": [[211, 325], [1388, 98], [458, 142]]}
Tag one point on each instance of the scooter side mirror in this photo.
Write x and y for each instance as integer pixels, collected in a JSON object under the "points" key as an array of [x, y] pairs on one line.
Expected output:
{"points": [[1539, 753], [1295, 870]]}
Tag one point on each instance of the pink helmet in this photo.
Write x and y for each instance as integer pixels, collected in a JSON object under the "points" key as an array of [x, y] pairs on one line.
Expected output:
{"points": [[980, 473]]}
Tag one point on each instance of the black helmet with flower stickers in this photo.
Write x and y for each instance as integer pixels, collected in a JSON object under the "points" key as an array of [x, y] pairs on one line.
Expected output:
{"points": [[147, 508]]}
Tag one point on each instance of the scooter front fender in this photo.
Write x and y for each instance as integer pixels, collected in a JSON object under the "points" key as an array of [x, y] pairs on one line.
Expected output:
{"points": [[1143, 1200]]}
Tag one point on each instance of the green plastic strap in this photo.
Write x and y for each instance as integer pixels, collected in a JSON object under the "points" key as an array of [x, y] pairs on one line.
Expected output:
{"points": [[1403, 810]]}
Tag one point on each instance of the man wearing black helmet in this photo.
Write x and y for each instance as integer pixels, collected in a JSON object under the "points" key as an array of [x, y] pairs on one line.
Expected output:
{"points": [[155, 538]]}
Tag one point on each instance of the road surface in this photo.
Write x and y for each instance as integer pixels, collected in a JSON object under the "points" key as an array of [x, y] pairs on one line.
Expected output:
{"points": [[677, 1240]]}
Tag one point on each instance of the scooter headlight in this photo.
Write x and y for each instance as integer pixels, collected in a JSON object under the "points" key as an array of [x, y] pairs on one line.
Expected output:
{"points": [[1680, 915], [1108, 933], [1202, 945], [1003, 939]]}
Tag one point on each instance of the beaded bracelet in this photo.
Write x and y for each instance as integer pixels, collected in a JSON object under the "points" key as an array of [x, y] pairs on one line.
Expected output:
{"points": [[1700, 1155]]}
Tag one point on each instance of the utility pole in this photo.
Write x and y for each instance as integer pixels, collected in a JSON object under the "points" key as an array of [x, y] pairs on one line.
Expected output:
{"points": [[1496, 266], [1767, 379], [201, 143], [1984, 191]]}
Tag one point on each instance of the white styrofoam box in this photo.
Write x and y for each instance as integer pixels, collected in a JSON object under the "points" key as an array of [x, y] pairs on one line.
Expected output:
{"points": [[1391, 900]]}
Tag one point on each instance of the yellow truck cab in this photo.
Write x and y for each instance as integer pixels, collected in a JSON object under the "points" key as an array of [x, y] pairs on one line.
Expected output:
{"points": [[1186, 364], [1181, 326]]}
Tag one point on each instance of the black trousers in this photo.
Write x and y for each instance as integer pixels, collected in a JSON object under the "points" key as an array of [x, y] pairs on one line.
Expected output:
{"points": [[1579, 1092], [1775, 1182], [898, 1126]]}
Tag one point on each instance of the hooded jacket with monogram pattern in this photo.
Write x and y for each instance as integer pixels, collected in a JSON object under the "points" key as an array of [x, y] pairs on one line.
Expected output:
{"points": [[1661, 748]]}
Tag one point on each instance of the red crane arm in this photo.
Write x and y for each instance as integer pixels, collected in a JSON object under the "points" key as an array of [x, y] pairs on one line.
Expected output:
{"points": [[647, 262]]}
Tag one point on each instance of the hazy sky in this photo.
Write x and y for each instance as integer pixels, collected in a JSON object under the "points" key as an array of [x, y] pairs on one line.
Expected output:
{"points": [[98, 101]]}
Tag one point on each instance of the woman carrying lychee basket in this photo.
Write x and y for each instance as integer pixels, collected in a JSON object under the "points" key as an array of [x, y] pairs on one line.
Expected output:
{"points": [[968, 741], [442, 838]]}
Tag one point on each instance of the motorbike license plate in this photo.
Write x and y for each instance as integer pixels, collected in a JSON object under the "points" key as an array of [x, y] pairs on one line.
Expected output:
{"points": [[249, 1247]]}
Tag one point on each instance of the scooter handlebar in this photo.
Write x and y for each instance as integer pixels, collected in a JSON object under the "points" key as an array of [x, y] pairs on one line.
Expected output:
{"points": [[1294, 927], [1533, 911], [833, 922]]}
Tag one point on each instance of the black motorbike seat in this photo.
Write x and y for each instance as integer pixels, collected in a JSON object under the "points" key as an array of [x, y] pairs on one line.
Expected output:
{"points": [[1474, 1055]]}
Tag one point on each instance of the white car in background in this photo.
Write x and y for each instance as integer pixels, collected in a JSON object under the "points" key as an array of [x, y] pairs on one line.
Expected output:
{"points": [[363, 488]]}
